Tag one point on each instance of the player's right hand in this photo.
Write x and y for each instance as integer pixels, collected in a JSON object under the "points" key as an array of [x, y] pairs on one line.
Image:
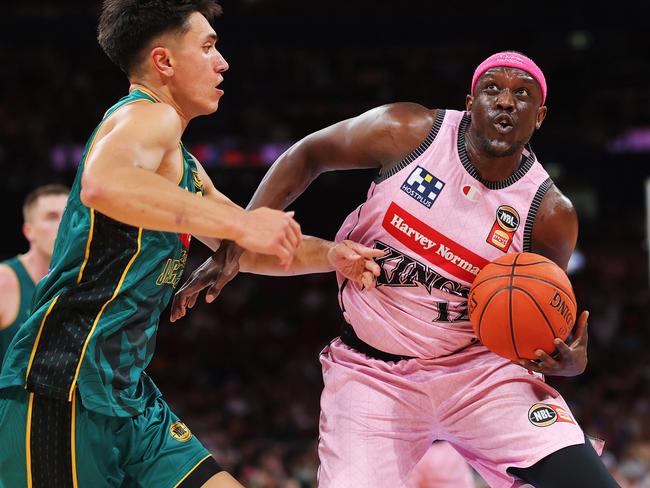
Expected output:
{"points": [[274, 232], [215, 273]]}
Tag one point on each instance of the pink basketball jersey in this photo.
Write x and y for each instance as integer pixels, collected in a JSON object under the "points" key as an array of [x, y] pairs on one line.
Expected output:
{"points": [[439, 224]]}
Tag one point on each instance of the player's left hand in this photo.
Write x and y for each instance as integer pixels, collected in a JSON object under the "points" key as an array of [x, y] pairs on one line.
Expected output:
{"points": [[355, 262], [571, 359]]}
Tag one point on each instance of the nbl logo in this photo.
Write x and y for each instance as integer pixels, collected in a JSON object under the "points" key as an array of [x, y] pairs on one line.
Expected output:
{"points": [[423, 186], [545, 414]]}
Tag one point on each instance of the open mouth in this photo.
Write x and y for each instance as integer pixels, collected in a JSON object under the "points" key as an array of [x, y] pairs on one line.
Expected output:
{"points": [[503, 124]]}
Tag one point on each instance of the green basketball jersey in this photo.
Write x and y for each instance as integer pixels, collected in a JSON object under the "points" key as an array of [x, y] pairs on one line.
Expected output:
{"points": [[96, 313], [26, 290]]}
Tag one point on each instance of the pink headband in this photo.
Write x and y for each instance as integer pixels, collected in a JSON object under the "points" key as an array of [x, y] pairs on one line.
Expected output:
{"points": [[511, 59]]}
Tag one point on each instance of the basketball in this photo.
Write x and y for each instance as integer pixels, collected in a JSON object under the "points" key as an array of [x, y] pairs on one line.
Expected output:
{"points": [[520, 303]]}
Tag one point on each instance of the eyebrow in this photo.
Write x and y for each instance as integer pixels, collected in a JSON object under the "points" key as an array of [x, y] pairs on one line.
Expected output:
{"points": [[527, 79], [213, 37]]}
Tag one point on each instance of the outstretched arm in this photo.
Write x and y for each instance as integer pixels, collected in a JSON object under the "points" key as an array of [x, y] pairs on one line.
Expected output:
{"points": [[378, 138], [555, 234], [121, 177], [353, 260], [121, 180], [375, 139], [315, 255]]}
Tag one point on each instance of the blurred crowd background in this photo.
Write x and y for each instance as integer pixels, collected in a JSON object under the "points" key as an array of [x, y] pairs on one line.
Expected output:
{"points": [[243, 373]]}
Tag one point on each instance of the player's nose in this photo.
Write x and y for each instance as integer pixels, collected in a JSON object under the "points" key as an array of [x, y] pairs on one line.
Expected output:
{"points": [[221, 64], [505, 100]]}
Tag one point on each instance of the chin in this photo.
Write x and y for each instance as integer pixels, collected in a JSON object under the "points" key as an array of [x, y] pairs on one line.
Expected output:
{"points": [[501, 150], [498, 148], [207, 109]]}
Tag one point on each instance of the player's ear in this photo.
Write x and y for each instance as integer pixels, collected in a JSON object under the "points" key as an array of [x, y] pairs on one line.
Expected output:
{"points": [[161, 60], [28, 231], [541, 115], [469, 99]]}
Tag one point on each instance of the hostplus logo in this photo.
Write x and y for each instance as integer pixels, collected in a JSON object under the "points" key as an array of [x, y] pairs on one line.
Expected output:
{"points": [[423, 186]]}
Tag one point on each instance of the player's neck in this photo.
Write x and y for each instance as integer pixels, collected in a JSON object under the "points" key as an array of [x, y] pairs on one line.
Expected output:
{"points": [[36, 263], [489, 167], [161, 94]]}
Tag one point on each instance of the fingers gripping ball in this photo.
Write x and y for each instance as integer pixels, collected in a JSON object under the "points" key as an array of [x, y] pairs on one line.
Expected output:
{"points": [[519, 303]]}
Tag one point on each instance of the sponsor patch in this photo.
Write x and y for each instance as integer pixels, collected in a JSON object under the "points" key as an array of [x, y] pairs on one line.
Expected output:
{"points": [[179, 431], [504, 228], [545, 414], [433, 246], [422, 186], [471, 193]]}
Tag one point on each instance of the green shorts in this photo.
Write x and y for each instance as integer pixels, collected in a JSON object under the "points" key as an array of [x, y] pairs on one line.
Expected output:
{"points": [[52, 443]]}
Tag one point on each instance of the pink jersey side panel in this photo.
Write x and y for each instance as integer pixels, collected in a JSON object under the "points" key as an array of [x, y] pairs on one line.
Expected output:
{"points": [[439, 225]]}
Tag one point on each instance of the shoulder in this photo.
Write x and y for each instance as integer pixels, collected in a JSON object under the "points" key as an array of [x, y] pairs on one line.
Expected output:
{"points": [[392, 131], [10, 293], [402, 116], [557, 207], [8, 279], [157, 120], [555, 231]]}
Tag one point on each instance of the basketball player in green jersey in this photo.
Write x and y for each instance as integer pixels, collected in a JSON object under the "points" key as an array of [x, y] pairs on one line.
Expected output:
{"points": [[42, 211], [76, 408]]}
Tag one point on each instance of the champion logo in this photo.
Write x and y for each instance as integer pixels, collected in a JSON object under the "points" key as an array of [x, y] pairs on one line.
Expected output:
{"points": [[471, 193], [433, 246]]}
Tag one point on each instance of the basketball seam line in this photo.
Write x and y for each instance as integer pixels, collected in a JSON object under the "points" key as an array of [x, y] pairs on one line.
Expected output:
{"points": [[480, 319], [512, 328], [569, 295]]}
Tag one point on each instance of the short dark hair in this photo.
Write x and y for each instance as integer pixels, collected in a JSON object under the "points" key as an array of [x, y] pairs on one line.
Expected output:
{"points": [[127, 26], [42, 191]]}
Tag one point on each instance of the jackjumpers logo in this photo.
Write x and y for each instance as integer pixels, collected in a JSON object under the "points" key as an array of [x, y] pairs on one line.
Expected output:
{"points": [[198, 184], [504, 228], [172, 271], [433, 246], [545, 414], [423, 186]]}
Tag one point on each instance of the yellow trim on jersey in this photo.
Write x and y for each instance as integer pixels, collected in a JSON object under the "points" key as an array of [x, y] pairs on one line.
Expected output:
{"points": [[101, 311], [144, 90], [192, 470], [180, 148], [88, 241], [28, 435], [38, 337], [92, 210], [73, 446]]}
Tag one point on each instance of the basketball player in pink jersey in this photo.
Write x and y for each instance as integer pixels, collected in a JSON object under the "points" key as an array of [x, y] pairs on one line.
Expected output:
{"points": [[454, 191]]}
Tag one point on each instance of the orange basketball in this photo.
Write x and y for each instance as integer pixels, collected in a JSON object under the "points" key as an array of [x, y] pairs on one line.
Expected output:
{"points": [[519, 303]]}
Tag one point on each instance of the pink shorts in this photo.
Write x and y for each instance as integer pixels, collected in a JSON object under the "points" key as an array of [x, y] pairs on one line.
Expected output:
{"points": [[379, 418], [441, 467]]}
